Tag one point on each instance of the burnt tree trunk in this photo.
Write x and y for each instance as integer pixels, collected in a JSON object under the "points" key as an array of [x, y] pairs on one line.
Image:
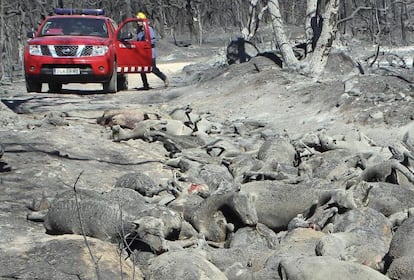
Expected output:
{"points": [[311, 13], [2, 40], [282, 42], [317, 61], [321, 41]]}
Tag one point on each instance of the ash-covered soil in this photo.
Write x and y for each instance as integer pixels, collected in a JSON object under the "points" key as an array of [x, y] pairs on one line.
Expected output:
{"points": [[46, 153]]}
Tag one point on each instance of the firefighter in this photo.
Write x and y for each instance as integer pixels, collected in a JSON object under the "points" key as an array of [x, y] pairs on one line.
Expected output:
{"points": [[155, 69]]}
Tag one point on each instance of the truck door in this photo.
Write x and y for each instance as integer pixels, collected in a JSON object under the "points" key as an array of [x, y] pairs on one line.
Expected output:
{"points": [[133, 56]]}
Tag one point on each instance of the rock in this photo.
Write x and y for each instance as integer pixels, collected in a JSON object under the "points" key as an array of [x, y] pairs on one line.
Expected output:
{"points": [[139, 182], [321, 268], [65, 256], [183, 265]]}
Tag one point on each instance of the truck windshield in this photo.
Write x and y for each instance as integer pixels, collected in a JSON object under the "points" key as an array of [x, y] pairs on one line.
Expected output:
{"points": [[75, 26]]}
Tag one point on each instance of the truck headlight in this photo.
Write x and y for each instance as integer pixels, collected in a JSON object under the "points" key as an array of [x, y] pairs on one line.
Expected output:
{"points": [[99, 50], [35, 50]]}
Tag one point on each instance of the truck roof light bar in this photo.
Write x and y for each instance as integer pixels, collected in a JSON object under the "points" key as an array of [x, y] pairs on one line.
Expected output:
{"points": [[69, 11]]}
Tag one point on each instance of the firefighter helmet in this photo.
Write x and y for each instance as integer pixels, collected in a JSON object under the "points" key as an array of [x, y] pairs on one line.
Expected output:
{"points": [[141, 15]]}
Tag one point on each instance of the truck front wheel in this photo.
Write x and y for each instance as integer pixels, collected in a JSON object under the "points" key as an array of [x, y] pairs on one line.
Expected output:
{"points": [[122, 82], [111, 85], [32, 86], [55, 87]]}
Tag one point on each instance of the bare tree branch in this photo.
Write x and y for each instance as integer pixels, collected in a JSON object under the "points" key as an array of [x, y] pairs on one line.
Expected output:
{"points": [[94, 260]]}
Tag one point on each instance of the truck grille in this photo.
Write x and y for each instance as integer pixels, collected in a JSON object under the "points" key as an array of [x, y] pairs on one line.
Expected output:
{"points": [[45, 50], [87, 51], [66, 51]]}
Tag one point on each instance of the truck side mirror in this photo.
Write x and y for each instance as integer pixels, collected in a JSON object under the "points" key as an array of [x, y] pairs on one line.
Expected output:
{"points": [[30, 34]]}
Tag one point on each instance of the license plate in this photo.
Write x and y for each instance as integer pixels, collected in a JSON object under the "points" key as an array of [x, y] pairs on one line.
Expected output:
{"points": [[66, 71]]}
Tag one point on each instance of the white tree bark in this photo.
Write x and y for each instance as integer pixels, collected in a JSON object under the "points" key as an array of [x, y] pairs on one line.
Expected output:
{"points": [[311, 9], [255, 17], [1, 41], [319, 57], [289, 59], [314, 63], [200, 25]]}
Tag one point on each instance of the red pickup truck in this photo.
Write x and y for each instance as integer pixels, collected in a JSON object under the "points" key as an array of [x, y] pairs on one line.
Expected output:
{"points": [[85, 46]]}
